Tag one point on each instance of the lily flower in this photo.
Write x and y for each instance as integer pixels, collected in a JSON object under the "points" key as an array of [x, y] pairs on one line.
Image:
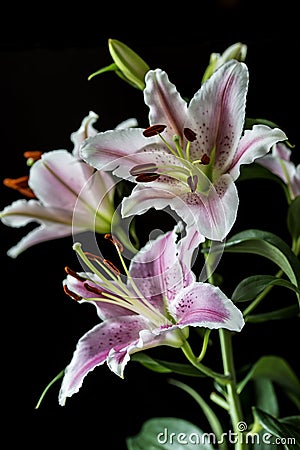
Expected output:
{"points": [[280, 164], [153, 305], [59, 185], [190, 156]]}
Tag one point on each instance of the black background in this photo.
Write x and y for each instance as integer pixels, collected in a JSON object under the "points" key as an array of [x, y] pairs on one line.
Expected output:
{"points": [[46, 57]]}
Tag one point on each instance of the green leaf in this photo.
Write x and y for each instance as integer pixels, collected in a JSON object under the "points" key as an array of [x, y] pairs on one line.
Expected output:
{"points": [[277, 370], [160, 366], [278, 314], [249, 122], [266, 396], [293, 218], [270, 246], [286, 431], [170, 433], [249, 288], [111, 68]]}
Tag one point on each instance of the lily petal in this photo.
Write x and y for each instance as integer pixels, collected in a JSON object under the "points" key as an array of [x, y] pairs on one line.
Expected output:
{"points": [[254, 144], [85, 130], [166, 106], [54, 222], [106, 150], [205, 305], [156, 269], [104, 310], [217, 112], [93, 348]]}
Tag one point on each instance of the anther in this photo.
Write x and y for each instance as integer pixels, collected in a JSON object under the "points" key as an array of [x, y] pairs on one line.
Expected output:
{"points": [[74, 274], [92, 289], [114, 241], [20, 184], [142, 169], [33, 155], [154, 130], [189, 134], [111, 266], [93, 257], [205, 159], [71, 294], [146, 178]]}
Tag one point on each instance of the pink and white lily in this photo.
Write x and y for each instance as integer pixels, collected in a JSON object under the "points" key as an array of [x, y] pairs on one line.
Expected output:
{"points": [[154, 305], [190, 156], [280, 164], [61, 185]]}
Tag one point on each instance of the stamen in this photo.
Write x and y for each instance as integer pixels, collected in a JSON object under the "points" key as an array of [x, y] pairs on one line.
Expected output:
{"points": [[33, 155], [143, 168], [154, 130], [71, 294], [176, 140], [114, 241], [20, 184], [111, 265], [192, 181], [92, 289], [74, 274], [146, 178], [189, 134]]}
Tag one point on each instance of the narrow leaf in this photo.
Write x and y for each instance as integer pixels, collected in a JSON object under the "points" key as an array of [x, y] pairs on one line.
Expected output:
{"points": [[285, 431], [249, 288]]}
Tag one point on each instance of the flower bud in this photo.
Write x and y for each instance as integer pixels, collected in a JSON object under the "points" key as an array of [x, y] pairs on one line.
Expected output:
{"points": [[132, 68], [236, 51]]}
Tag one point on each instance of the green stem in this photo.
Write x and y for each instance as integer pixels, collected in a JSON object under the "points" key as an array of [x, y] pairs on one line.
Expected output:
{"points": [[220, 378], [233, 400]]}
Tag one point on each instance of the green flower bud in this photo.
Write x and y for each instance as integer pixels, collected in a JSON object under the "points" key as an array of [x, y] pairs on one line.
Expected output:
{"points": [[130, 66], [236, 51]]}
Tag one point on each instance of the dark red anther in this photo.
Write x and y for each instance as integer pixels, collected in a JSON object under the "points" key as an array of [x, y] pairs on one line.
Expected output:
{"points": [[189, 134], [143, 168], [205, 159], [146, 178], [111, 266], [114, 241], [33, 155], [154, 130], [20, 184], [74, 274], [92, 289], [71, 294]]}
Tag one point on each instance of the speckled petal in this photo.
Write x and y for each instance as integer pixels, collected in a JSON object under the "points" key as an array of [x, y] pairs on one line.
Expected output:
{"points": [[93, 348], [205, 305]]}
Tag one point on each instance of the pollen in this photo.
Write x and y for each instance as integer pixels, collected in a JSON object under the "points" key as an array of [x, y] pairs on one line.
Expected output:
{"points": [[71, 293], [74, 274], [21, 185], [114, 241], [111, 266]]}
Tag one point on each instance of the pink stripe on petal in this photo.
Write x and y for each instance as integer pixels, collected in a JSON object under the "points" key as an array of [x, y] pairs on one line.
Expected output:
{"points": [[205, 305]]}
